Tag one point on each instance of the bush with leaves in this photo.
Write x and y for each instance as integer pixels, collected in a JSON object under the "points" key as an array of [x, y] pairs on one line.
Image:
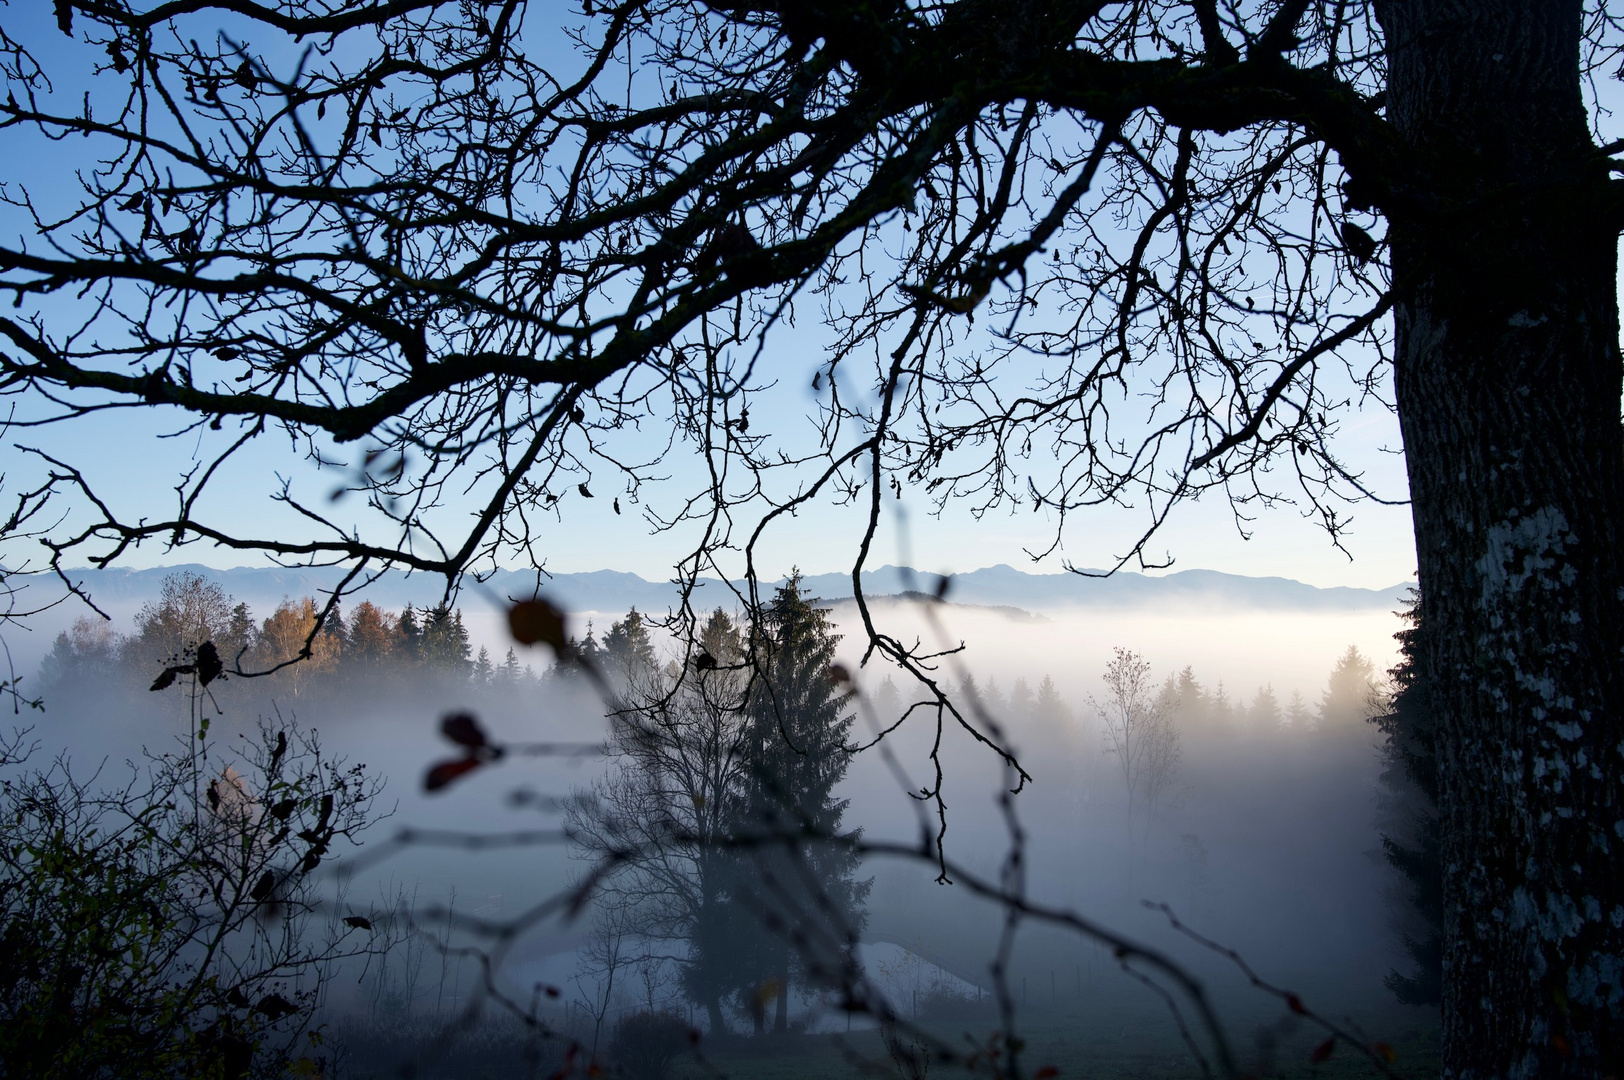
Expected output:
{"points": [[168, 926]]}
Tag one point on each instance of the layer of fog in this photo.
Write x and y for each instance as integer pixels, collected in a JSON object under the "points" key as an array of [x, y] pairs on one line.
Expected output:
{"points": [[1270, 845]]}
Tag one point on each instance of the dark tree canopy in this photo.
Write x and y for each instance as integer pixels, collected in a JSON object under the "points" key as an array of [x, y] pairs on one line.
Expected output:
{"points": [[797, 750], [1408, 802], [1060, 254]]}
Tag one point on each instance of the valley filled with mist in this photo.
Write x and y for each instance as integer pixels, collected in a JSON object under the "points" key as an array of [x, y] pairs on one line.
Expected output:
{"points": [[1191, 764]]}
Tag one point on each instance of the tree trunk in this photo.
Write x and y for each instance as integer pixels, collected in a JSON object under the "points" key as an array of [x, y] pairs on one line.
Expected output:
{"points": [[1508, 384], [713, 1009], [781, 1013]]}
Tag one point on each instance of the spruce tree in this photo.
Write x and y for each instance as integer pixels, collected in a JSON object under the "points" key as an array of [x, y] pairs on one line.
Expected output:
{"points": [[993, 699], [1349, 692], [888, 701], [408, 647], [239, 634], [1194, 701], [444, 644], [1265, 711], [1021, 701], [484, 670], [334, 639], [1220, 712], [510, 673], [804, 886], [629, 648], [1408, 804], [1049, 708]]}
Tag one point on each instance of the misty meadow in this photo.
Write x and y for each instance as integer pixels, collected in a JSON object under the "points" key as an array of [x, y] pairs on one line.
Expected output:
{"points": [[657, 788]]}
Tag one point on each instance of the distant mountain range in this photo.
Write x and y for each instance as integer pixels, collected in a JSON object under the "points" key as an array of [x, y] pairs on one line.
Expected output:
{"points": [[612, 591]]}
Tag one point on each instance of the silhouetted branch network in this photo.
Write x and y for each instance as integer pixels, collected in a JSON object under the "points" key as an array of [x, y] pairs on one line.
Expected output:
{"points": [[19, 524], [481, 273]]}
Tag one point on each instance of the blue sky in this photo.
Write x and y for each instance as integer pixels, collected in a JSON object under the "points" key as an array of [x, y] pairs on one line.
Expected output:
{"points": [[136, 469], [127, 459]]}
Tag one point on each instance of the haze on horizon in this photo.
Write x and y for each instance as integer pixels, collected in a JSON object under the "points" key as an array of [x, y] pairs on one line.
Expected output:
{"points": [[1299, 892]]}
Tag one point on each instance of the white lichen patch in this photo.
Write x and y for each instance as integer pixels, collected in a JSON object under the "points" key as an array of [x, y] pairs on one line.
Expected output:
{"points": [[1598, 983], [1562, 917], [1523, 549]]}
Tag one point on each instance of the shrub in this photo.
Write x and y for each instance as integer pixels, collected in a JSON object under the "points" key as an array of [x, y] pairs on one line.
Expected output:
{"points": [[647, 1043], [162, 928]]}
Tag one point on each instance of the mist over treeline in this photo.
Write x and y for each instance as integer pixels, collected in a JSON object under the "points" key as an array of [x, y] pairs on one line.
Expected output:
{"points": [[1258, 816], [407, 649], [366, 646]]}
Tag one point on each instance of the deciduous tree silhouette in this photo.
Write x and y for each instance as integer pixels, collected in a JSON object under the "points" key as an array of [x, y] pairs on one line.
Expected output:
{"points": [[669, 801], [190, 610], [719, 808], [1191, 232], [285, 632], [1141, 733]]}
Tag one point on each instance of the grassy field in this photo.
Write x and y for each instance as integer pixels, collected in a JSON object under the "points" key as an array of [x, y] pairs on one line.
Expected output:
{"points": [[1104, 1038], [1118, 1032]]}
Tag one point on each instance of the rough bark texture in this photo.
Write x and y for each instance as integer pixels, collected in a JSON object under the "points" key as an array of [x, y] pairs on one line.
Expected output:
{"points": [[1508, 382]]}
